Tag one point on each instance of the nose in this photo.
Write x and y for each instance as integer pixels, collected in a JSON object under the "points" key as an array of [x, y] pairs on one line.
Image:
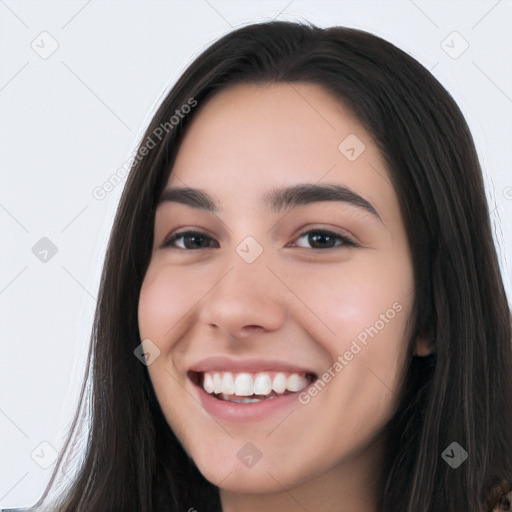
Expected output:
{"points": [[245, 300]]}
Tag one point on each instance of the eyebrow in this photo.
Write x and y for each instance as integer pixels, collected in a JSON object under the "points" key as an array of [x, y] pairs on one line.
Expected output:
{"points": [[276, 200]]}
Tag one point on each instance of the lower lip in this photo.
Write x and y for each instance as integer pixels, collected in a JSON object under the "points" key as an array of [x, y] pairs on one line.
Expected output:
{"points": [[252, 411]]}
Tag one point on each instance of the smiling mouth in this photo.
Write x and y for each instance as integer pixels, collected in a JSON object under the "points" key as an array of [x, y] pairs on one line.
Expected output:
{"points": [[245, 387]]}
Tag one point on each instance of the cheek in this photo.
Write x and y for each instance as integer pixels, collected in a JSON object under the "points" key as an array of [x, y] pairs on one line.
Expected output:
{"points": [[354, 296], [364, 311], [163, 301], [165, 297]]}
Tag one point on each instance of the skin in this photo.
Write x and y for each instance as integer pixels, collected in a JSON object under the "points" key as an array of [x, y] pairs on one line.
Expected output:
{"points": [[293, 302]]}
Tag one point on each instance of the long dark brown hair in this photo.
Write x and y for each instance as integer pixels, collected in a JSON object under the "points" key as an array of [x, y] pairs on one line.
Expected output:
{"points": [[460, 393]]}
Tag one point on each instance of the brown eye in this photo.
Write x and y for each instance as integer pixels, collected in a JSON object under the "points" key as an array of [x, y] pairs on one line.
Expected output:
{"points": [[190, 240], [322, 239]]}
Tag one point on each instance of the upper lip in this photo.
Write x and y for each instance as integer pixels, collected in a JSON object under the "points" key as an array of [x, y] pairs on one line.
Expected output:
{"points": [[247, 364]]}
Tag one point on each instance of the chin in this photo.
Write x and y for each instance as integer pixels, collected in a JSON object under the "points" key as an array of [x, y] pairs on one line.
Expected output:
{"points": [[264, 477]]}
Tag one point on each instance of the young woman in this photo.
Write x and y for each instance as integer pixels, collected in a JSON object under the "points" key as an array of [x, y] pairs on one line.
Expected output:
{"points": [[301, 306]]}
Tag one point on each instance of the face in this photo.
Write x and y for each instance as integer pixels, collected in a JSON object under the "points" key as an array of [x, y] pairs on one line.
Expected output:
{"points": [[279, 321]]}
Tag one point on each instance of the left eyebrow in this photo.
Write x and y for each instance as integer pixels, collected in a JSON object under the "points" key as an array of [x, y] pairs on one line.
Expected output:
{"points": [[276, 200]]}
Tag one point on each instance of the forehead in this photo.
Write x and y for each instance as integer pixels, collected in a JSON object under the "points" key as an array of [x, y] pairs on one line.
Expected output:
{"points": [[256, 113], [252, 137]]}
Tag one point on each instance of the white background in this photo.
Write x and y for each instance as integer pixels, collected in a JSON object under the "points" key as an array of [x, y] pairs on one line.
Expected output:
{"points": [[69, 121]]}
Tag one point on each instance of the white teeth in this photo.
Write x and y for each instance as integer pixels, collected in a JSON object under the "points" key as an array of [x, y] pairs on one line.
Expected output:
{"points": [[296, 382], [279, 383], [217, 383], [262, 385], [245, 384], [228, 384], [208, 383], [230, 398]]}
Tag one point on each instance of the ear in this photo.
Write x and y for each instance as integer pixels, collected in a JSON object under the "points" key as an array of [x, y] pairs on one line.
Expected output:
{"points": [[423, 346]]}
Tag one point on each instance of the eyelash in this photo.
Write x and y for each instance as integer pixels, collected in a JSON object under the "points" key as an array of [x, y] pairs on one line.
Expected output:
{"points": [[347, 242]]}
